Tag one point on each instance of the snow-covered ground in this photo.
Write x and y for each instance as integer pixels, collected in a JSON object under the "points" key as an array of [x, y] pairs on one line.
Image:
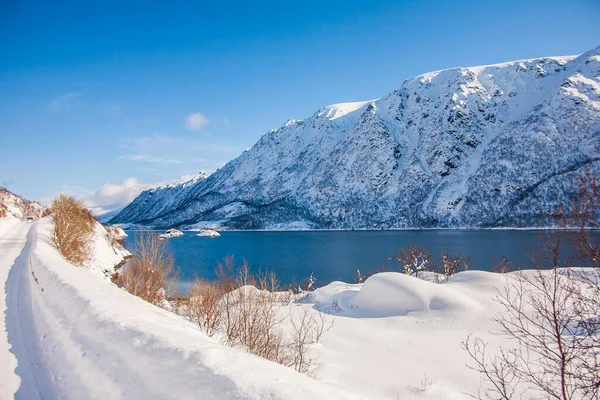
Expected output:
{"points": [[72, 334]]}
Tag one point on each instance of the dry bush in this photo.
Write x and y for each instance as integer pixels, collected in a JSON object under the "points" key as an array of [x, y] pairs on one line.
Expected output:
{"points": [[502, 266], [249, 316], [3, 212], [245, 311], [413, 259], [307, 330], [452, 264], [203, 306], [73, 229], [150, 274]]}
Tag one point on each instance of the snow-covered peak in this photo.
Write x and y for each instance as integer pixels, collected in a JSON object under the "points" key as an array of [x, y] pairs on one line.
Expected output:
{"points": [[336, 111], [185, 180]]}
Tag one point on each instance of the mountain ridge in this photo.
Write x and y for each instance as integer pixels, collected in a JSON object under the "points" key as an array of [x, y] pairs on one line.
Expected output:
{"points": [[449, 148]]}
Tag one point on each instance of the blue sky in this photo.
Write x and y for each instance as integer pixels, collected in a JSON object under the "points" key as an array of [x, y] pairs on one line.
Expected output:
{"points": [[126, 94]]}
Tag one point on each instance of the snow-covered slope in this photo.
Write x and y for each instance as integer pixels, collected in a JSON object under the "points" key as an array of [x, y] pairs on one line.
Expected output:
{"points": [[73, 335], [106, 211], [18, 207], [495, 145]]}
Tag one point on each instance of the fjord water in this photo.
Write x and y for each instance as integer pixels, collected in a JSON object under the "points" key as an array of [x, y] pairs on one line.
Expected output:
{"points": [[336, 255]]}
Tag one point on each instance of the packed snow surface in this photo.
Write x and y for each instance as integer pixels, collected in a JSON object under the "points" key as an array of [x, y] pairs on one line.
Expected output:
{"points": [[487, 146], [69, 333]]}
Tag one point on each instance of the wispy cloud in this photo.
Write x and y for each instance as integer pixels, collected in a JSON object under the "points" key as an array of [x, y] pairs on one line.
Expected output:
{"points": [[196, 121], [150, 159], [65, 101]]}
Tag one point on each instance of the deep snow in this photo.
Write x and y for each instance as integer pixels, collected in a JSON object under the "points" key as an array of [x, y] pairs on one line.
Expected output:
{"points": [[75, 335], [71, 333]]}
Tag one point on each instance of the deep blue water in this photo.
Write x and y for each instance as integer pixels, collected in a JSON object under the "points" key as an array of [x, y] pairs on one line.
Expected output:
{"points": [[336, 255]]}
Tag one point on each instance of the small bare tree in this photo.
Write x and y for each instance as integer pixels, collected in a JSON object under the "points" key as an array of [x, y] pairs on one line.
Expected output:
{"points": [[307, 330], [413, 259], [150, 274]]}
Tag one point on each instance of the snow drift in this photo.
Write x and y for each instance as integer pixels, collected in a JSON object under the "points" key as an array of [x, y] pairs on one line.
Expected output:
{"points": [[77, 336]]}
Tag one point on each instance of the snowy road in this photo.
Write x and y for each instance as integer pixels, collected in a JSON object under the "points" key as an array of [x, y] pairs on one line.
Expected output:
{"points": [[68, 333], [12, 240]]}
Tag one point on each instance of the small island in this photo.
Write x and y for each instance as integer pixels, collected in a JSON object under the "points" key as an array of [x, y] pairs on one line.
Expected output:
{"points": [[171, 233], [208, 233]]}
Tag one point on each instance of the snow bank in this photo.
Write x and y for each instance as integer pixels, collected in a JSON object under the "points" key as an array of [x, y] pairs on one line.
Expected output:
{"points": [[85, 338], [107, 252]]}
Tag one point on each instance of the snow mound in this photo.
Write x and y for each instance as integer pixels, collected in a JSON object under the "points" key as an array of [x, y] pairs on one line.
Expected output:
{"points": [[107, 253], [391, 294]]}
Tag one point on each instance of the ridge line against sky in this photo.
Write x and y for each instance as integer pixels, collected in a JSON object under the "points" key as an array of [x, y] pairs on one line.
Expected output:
{"points": [[93, 94]]}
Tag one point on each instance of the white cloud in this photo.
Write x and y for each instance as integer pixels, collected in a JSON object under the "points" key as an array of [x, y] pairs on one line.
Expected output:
{"points": [[65, 101], [114, 197], [196, 121]]}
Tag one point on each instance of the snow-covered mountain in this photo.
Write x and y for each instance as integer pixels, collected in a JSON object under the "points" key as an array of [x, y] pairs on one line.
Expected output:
{"points": [[495, 145], [110, 199], [18, 207]]}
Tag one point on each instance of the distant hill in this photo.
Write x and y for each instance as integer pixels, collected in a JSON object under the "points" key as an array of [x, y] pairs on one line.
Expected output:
{"points": [[12, 204]]}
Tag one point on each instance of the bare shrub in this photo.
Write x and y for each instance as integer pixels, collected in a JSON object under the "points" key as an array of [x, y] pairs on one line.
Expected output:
{"points": [[452, 264], [552, 317], [359, 277], [3, 212], [307, 330], [249, 309], [203, 305], [502, 266], [151, 273], [413, 259], [72, 229]]}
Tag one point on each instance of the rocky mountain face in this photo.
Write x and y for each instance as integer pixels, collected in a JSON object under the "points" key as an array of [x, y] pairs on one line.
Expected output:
{"points": [[11, 204], [486, 146]]}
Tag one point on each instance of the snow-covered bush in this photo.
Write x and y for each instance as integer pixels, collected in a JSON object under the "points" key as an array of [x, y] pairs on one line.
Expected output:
{"points": [[502, 266], [452, 264], [150, 273], [73, 229], [414, 260]]}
